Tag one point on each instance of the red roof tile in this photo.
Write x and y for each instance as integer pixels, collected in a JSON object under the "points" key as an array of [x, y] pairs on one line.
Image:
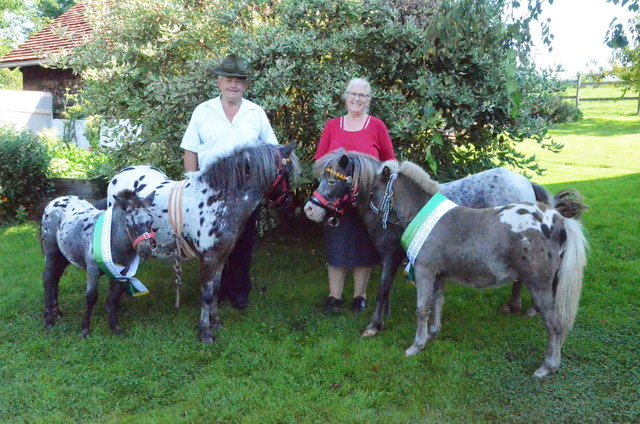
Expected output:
{"points": [[33, 50]]}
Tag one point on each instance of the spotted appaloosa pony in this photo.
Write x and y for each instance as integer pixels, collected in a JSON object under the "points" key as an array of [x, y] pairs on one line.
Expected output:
{"points": [[216, 203], [67, 237], [494, 187], [530, 243]]}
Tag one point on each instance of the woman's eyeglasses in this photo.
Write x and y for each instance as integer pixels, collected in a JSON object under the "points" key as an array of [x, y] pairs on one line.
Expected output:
{"points": [[361, 96]]}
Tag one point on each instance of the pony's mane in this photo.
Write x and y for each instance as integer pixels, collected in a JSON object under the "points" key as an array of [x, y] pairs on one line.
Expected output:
{"points": [[246, 165], [414, 173], [131, 197], [364, 167]]}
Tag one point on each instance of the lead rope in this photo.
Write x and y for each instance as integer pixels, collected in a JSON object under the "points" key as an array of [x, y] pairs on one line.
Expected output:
{"points": [[385, 207], [177, 268]]}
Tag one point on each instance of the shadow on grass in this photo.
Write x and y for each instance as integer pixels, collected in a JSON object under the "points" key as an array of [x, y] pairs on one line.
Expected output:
{"points": [[599, 127], [606, 190]]}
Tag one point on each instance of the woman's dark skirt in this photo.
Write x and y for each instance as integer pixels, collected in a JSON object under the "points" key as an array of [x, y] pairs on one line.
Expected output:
{"points": [[348, 245]]}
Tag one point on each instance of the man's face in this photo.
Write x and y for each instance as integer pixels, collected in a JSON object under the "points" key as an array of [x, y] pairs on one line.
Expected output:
{"points": [[232, 88]]}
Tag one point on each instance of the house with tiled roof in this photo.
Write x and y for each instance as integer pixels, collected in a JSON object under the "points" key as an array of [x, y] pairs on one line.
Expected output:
{"points": [[68, 31]]}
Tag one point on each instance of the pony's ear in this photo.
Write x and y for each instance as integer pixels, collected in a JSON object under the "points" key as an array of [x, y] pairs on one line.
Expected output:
{"points": [[149, 199], [344, 161], [288, 148], [386, 171], [121, 202]]}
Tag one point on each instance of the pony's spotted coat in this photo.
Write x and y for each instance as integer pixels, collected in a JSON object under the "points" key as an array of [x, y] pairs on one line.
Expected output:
{"points": [[216, 203], [67, 227], [526, 216]]}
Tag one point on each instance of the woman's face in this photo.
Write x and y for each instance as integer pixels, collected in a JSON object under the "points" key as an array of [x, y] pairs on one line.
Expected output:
{"points": [[358, 99]]}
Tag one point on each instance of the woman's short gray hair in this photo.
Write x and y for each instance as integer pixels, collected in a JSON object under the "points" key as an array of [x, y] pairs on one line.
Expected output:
{"points": [[358, 81]]}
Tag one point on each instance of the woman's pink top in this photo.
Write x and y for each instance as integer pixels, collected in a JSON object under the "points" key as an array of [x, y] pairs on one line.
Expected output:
{"points": [[372, 139]]}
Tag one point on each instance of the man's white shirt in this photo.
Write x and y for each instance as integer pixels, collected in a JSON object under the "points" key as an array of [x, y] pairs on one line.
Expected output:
{"points": [[211, 135]]}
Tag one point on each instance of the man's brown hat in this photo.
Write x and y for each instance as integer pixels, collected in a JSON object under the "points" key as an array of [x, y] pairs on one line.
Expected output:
{"points": [[232, 66]]}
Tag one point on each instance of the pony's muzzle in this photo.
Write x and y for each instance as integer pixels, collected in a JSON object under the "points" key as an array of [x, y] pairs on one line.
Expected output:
{"points": [[314, 212], [145, 244]]}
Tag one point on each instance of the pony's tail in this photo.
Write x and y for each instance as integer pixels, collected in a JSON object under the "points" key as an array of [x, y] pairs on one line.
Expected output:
{"points": [[569, 203], [570, 275]]}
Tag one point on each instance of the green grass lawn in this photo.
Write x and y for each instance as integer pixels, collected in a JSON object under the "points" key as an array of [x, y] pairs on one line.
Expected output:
{"points": [[283, 361]]}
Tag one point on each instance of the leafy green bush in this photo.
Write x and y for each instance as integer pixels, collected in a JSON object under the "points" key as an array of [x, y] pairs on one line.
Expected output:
{"points": [[433, 65], [70, 161], [565, 112], [23, 174]]}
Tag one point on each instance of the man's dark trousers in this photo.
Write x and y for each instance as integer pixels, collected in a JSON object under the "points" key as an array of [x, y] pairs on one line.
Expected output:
{"points": [[236, 282]]}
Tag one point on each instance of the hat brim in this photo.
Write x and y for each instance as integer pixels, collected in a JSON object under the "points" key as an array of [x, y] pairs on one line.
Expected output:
{"points": [[225, 72]]}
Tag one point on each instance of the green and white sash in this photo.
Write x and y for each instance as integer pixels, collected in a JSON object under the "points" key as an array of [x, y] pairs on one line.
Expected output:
{"points": [[420, 227], [102, 254]]}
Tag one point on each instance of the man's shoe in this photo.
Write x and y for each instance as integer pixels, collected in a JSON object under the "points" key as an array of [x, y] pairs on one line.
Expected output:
{"points": [[359, 304], [332, 304], [240, 302]]}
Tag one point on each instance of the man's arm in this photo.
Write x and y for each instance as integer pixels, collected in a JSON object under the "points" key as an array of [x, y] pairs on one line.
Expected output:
{"points": [[190, 161]]}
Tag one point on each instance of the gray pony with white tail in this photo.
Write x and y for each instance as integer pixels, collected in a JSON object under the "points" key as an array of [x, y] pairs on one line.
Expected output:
{"points": [[67, 228], [483, 248], [494, 187]]}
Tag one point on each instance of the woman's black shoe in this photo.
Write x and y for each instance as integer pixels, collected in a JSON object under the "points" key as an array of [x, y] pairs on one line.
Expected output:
{"points": [[332, 304], [359, 304]]}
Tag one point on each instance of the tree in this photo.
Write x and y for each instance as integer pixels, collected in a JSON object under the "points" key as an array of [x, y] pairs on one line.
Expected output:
{"points": [[18, 20], [624, 39], [12, 20], [433, 64]]}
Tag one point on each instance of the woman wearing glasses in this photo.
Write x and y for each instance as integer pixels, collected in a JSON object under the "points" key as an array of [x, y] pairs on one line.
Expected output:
{"points": [[348, 246]]}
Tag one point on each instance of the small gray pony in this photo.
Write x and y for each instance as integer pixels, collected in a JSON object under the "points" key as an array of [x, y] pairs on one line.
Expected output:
{"points": [[494, 187], [67, 228], [483, 248]]}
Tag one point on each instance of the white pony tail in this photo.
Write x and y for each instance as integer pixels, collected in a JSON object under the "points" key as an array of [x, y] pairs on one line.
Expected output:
{"points": [[570, 275]]}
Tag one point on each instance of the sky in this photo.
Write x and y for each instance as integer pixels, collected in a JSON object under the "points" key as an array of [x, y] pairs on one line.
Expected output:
{"points": [[579, 28]]}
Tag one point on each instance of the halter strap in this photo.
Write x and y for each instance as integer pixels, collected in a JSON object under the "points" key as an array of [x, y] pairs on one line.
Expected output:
{"points": [[280, 180], [337, 174], [143, 237], [385, 206]]}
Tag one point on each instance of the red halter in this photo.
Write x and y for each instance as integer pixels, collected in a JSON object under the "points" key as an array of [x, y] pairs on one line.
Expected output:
{"points": [[350, 199], [279, 181], [145, 236]]}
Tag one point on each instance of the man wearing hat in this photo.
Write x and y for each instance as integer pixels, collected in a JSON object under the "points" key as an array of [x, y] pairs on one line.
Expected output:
{"points": [[217, 127]]}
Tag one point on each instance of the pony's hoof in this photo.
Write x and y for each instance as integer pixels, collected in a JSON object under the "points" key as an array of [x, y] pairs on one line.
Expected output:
{"points": [[206, 337], [369, 332], [412, 351], [85, 334], [531, 312], [542, 372], [510, 309], [116, 331]]}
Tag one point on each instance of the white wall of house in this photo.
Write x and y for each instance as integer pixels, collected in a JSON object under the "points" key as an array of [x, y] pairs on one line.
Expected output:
{"points": [[33, 110]]}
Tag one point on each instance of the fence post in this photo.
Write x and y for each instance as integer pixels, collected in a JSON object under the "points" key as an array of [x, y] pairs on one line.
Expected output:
{"points": [[578, 90], [638, 111]]}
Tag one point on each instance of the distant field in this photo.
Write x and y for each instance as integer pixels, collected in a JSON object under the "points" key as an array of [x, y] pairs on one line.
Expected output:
{"points": [[605, 144], [600, 92]]}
